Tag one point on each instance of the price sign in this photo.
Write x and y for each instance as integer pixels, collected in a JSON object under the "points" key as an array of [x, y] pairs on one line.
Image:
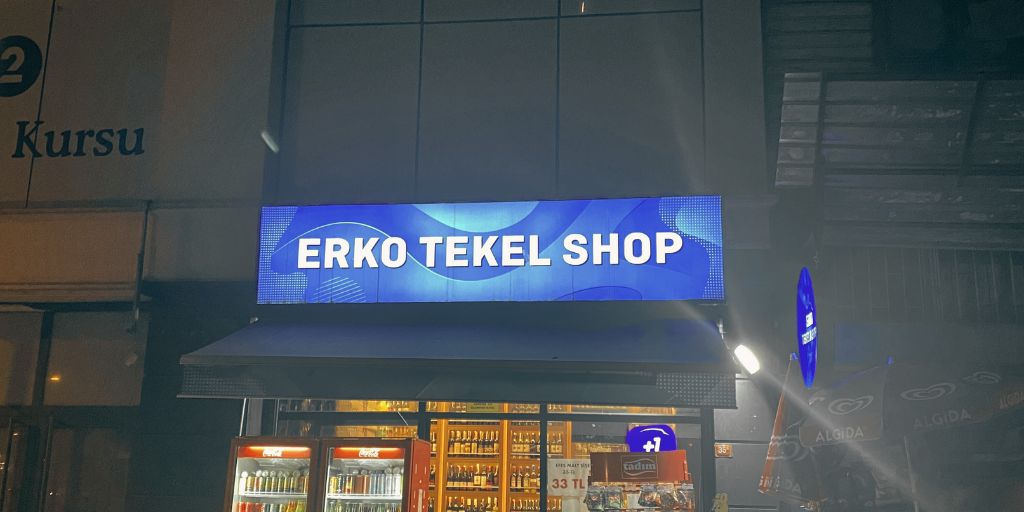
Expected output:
{"points": [[568, 477]]}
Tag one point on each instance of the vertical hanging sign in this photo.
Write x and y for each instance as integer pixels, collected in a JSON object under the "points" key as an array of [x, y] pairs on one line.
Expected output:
{"points": [[806, 327]]}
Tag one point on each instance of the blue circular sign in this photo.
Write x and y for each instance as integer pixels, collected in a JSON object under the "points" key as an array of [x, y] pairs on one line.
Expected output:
{"points": [[806, 327], [20, 64]]}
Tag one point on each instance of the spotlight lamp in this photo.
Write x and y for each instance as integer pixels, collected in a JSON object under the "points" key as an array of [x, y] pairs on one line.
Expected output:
{"points": [[747, 359]]}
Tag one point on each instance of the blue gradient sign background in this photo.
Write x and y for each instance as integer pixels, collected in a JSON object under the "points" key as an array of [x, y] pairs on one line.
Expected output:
{"points": [[693, 272]]}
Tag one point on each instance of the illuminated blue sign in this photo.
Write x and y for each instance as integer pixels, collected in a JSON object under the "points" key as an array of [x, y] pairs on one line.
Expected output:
{"points": [[806, 327], [651, 438], [667, 248]]}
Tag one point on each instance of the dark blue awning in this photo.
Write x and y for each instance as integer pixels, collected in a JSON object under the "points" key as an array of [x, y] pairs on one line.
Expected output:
{"points": [[665, 362]]}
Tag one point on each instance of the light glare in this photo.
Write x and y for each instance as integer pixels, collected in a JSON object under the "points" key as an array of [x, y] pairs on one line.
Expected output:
{"points": [[747, 358]]}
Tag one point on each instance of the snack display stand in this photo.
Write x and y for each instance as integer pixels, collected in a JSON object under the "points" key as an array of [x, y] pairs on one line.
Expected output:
{"points": [[646, 482]]}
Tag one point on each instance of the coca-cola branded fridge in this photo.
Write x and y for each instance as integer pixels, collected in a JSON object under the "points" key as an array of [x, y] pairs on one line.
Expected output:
{"points": [[271, 475], [374, 475]]}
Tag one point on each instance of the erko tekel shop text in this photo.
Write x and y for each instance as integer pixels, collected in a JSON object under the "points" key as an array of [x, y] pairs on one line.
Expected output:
{"points": [[487, 251]]}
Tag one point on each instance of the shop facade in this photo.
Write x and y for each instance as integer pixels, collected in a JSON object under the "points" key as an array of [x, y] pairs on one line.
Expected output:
{"points": [[402, 102]]}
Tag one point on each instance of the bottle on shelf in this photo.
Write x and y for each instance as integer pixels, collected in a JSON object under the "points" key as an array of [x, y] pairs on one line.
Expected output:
{"points": [[290, 506]]}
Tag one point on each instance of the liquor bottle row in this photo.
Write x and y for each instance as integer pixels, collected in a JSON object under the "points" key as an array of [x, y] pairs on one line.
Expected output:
{"points": [[381, 482], [307, 405], [281, 482], [533, 505], [524, 408], [456, 504], [528, 443], [524, 477], [252, 506], [348, 506], [491, 505], [473, 442], [345, 405], [469, 477]]}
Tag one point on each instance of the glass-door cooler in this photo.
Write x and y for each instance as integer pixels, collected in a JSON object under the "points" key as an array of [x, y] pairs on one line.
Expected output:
{"points": [[271, 475], [374, 475]]}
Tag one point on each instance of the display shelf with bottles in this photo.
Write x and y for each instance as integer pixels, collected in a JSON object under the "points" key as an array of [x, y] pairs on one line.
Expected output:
{"points": [[311, 405], [494, 462]]}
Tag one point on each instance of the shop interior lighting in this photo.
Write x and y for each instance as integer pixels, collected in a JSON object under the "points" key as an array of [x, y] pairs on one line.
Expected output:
{"points": [[747, 359]]}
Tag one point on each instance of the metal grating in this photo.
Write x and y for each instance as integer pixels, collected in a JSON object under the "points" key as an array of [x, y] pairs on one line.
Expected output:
{"points": [[220, 382], [716, 390]]}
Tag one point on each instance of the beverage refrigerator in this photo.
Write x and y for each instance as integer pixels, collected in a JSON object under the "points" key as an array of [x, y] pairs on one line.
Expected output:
{"points": [[373, 475], [271, 475]]}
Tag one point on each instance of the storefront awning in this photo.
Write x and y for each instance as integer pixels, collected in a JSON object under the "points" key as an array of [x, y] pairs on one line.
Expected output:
{"points": [[682, 363]]}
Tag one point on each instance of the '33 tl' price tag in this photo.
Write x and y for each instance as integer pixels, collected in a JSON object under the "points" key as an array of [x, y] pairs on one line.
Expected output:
{"points": [[567, 480]]}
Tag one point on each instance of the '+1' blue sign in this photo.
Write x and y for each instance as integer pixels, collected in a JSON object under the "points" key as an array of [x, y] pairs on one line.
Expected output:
{"points": [[651, 438]]}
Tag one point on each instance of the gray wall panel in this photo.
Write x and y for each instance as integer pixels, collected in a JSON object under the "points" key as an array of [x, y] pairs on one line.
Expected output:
{"points": [[445, 10], [350, 120], [752, 420], [631, 106], [315, 12], [734, 85], [738, 477], [585, 7], [488, 111]]}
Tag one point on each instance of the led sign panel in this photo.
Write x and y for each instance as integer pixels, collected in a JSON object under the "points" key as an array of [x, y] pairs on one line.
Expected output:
{"points": [[666, 248]]}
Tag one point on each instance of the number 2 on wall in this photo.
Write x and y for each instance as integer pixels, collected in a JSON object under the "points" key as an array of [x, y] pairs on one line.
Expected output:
{"points": [[10, 65]]}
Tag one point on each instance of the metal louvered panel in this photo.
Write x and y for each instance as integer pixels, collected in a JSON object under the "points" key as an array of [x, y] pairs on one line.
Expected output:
{"points": [[715, 390]]}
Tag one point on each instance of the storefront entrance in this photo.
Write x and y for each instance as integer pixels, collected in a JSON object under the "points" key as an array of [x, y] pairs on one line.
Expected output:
{"points": [[492, 456]]}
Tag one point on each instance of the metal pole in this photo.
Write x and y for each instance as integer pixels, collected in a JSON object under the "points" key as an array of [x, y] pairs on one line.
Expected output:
{"points": [[7, 458], [140, 264], [708, 484], [543, 459], [44, 469], [422, 422], [910, 472], [242, 421]]}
